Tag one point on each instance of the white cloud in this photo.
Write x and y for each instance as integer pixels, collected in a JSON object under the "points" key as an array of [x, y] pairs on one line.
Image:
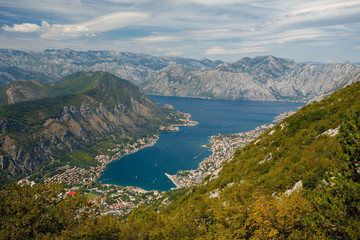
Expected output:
{"points": [[299, 35], [115, 21], [89, 28], [215, 2], [25, 28], [154, 39], [314, 14], [221, 51], [57, 31], [174, 53]]}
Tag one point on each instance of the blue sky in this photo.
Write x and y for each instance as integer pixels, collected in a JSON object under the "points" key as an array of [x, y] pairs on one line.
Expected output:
{"points": [[303, 30]]}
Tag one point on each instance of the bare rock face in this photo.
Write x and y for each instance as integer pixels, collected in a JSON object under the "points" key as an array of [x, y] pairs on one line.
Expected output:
{"points": [[352, 77], [175, 81], [306, 82], [259, 79], [17, 160]]}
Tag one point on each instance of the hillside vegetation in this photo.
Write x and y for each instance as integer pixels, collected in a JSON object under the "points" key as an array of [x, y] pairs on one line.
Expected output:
{"points": [[299, 180]]}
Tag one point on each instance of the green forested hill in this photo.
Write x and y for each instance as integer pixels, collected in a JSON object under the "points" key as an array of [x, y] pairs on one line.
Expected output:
{"points": [[69, 120], [299, 180]]}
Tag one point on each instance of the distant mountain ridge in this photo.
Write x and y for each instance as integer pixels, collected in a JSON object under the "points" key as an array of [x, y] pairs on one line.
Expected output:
{"points": [[134, 67], [71, 118], [263, 78]]}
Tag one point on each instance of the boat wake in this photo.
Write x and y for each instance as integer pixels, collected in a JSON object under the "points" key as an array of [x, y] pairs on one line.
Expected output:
{"points": [[198, 155]]}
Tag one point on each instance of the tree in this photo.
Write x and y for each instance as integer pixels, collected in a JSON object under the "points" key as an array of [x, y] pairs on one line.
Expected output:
{"points": [[27, 212], [350, 142]]}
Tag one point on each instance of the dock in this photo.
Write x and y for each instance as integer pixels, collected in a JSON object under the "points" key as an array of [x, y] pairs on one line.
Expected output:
{"points": [[173, 179]]}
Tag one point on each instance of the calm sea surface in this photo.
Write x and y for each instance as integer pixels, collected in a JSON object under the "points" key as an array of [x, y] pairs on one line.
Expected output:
{"points": [[182, 150]]}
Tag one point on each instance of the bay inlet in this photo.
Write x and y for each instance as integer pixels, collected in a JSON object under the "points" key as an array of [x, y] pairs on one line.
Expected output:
{"points": [[183, 150]]}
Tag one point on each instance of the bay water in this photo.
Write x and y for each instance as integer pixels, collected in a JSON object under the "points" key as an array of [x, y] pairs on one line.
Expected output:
{"points": [[183, 150]]}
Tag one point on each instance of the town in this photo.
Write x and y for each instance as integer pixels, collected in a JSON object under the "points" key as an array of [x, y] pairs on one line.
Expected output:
{"points": [[223, 147]]}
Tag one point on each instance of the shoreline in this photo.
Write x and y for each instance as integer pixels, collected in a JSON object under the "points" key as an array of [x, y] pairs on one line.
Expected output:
{"points": [[84, 177]]}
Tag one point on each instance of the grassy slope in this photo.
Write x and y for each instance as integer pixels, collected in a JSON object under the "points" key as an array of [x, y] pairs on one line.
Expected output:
{"points": [[251, 203]]}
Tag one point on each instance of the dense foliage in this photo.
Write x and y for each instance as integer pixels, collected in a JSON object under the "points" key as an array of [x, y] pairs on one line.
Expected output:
{"points": [[46, 212]]}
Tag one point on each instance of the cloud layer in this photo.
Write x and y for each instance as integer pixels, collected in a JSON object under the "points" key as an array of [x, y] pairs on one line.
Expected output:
{"points": [[227, 29]]}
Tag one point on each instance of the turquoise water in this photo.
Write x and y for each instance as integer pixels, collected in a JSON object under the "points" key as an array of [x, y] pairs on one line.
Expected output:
{"points": [[182, 150]]}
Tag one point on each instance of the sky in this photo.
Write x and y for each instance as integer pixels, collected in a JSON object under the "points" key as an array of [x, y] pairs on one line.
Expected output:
{"points": [[325, 31]]}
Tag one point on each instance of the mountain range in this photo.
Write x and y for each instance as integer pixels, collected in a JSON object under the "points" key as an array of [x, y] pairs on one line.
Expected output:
{"points": [[263, 78]]}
